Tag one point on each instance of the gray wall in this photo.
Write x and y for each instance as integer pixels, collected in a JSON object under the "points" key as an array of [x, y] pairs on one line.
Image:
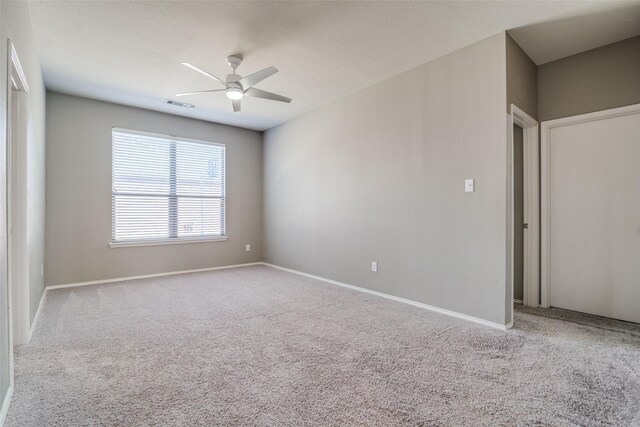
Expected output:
{"points": [[599, 79], [380, 176], [79, 193], [521, 79], [15, 24]]}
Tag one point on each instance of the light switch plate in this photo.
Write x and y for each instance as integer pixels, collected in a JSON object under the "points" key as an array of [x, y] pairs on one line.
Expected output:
{"points": [[247, 248], [374, 266], [469, 185]]}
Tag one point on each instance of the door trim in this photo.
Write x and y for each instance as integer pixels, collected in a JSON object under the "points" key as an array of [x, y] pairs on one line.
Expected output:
{"points": [[16, 206], [531, 160], [546, 127]]}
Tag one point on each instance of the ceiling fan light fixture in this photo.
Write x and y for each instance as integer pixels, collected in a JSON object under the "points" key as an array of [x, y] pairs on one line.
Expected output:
{"points": [[234, 93]]}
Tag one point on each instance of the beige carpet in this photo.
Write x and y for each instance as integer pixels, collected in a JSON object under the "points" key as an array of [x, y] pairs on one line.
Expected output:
{"points": [[257, 346]]}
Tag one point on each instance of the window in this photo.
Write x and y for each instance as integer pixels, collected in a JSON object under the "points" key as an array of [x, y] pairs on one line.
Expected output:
{"points": [[165, 189]]}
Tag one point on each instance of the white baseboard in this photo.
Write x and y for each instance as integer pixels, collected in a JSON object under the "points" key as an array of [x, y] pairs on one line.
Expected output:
{"points": [[399, 299], [147, 276], [518, 301], [5, 405]]}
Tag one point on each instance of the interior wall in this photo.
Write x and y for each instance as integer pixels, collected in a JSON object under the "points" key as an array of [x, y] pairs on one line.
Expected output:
{"points": [[79, 193], [379, 176], [15, 24], [599, 79], [521, 79]]}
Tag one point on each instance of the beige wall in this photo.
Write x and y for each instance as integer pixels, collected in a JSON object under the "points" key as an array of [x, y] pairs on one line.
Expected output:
{"points": [[15, 24], [380, 176], [79, 193], [521, 79], [599, 79]]}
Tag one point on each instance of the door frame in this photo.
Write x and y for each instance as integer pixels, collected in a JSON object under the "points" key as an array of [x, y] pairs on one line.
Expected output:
{"points": [[546, 127], [531, 211], [17, 271]]}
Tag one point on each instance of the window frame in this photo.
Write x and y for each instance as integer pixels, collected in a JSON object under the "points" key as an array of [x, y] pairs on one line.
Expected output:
{"points": [[169, 240]]}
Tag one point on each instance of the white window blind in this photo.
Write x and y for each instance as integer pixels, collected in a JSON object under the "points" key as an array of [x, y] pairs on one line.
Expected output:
{"points": [[166, 188]]}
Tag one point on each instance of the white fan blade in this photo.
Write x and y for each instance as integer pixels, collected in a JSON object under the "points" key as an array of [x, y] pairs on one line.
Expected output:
{"points": [[201, 71], [236, 105], [199, 91], [257, 93], [258, 76]]}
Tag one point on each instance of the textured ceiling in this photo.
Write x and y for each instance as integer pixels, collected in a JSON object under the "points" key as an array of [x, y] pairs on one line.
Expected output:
{"points": [[130, 52]]}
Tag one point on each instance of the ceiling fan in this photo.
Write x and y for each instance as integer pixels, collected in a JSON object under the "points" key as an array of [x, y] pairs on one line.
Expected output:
{"points": [[236, 86]]}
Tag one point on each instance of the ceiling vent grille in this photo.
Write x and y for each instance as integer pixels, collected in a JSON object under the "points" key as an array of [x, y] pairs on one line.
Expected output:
{"points": [[180, 104]]}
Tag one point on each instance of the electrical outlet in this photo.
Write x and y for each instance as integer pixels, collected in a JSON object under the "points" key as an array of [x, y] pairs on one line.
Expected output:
{"points": [[247, 248], [374, 266]]}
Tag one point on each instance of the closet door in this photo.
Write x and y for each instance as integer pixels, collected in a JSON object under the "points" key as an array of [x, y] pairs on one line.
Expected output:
{"points": [[591, 239]]}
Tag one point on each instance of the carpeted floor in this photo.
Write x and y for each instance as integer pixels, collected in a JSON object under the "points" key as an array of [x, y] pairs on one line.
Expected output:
{"points": [[257, 346]]}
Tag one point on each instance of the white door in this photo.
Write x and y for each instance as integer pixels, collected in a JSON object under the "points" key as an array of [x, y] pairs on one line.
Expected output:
{"points": [[591, 193]]}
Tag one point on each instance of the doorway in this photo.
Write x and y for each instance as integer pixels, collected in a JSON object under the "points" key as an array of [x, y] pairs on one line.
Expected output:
{"points": [[525, 209], [518, 214]]}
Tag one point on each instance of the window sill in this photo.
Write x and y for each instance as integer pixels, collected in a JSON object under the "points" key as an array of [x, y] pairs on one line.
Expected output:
{"points": [[166, 242]]}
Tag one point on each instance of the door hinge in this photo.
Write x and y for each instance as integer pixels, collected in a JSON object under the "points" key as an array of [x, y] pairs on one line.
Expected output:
{"points": [[525, 226]]}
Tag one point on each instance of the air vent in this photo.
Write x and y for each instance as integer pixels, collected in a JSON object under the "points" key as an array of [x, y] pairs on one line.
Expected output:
{"points": [[180, 104]]}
